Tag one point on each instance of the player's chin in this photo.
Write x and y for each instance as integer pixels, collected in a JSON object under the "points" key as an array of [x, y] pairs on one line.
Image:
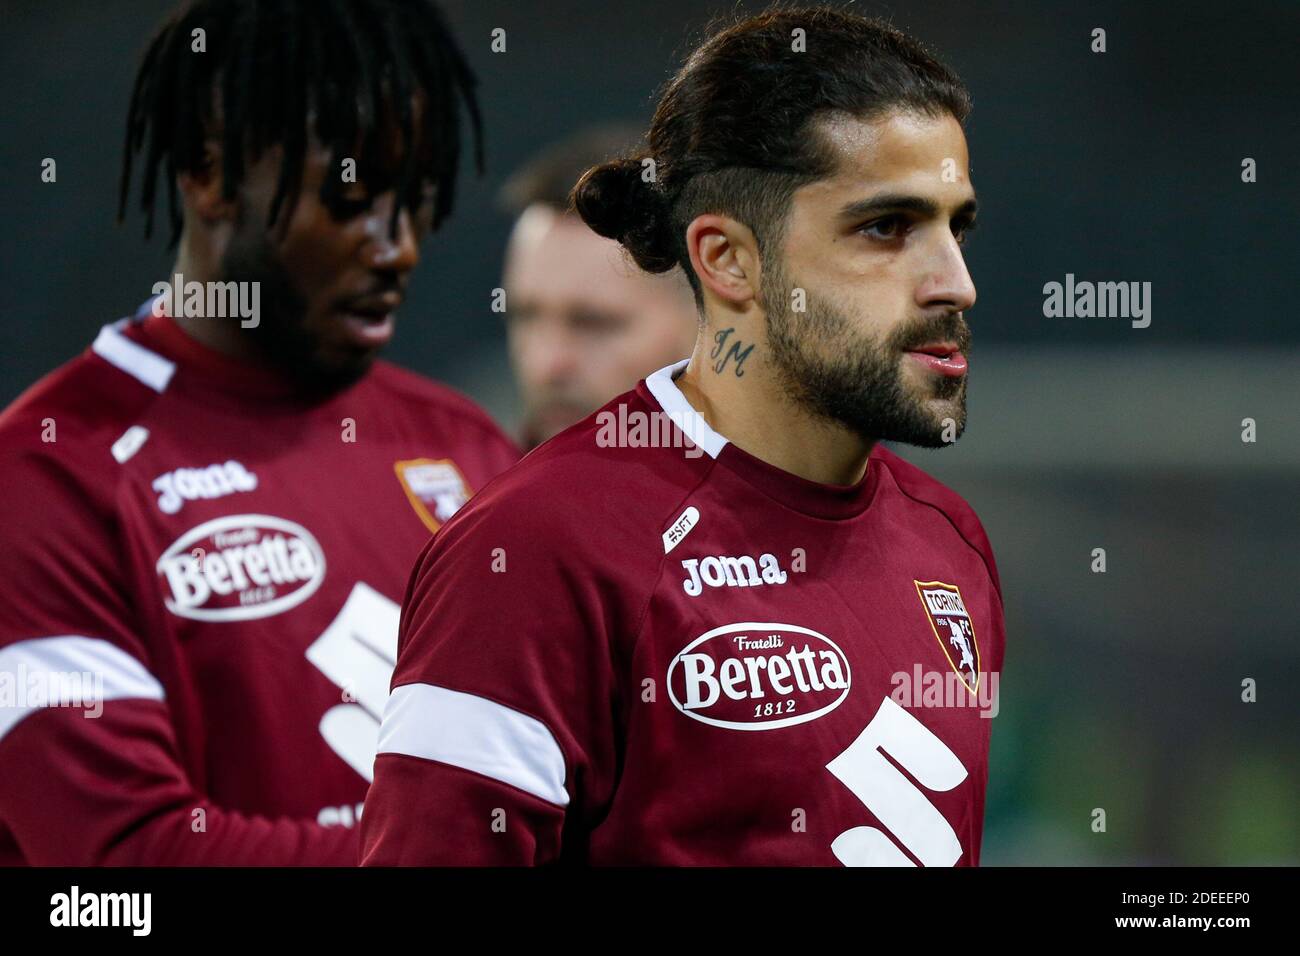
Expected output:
{"points": [[940, 436], [339, 368], [948, 419], [933, 422]]}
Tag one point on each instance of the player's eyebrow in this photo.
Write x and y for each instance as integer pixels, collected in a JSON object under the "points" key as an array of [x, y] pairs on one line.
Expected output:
{"points": [[898, 202]]}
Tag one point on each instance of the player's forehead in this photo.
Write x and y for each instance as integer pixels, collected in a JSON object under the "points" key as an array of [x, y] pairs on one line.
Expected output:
{"points": [[377, 152], [901, 152]]}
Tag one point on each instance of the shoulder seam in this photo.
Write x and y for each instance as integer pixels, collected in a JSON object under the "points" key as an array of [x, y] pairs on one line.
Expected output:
{"points": [[997, 589]]}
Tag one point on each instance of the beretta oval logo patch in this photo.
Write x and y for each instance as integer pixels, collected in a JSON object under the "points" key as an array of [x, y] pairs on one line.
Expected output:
{"points": [[240, 567], [758, 676]]}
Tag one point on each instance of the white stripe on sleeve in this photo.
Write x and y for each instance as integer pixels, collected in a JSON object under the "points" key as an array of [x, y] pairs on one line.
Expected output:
{"points": [[477, 734], [67, 671]]}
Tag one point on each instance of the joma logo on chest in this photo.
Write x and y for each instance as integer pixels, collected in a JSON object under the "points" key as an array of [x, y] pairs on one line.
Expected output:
{"points": [[722, 571], [190, 484]]}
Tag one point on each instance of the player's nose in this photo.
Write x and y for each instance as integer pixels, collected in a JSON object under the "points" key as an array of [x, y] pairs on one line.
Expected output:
{"points": [[393, 253], [946, 281]]}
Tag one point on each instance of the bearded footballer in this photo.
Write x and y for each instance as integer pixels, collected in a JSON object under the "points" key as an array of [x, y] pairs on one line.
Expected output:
{"points": [[674, 634]]}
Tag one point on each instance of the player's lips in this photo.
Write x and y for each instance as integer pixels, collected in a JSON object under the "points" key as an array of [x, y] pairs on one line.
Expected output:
{"points": [[944, 358], [369, 321]]}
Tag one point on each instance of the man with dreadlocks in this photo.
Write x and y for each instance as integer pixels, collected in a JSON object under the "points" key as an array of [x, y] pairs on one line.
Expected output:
{"points": [[209, 520]]}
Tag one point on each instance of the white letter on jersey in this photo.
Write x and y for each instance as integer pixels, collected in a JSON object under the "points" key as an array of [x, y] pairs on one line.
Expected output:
{"points": [[358, 651], [894, 799]]}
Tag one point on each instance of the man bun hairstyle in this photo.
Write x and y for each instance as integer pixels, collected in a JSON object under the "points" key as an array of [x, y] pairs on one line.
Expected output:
{"points": [[734, 129], [616, 201]]}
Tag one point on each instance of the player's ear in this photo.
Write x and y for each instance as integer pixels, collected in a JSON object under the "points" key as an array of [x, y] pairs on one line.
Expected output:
{"points": [[724, 254], [201, 187]]}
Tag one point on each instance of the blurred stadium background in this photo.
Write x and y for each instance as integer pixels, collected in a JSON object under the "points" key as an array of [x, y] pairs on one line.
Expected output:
{"points": [[1122, 690]]}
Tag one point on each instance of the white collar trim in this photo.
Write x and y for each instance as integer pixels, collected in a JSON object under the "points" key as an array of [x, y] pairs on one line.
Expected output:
{"points": [[132, 358], [683, 415]]}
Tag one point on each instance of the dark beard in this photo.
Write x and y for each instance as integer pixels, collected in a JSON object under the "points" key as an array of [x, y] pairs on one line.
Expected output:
{"points": [[860, 386], [282, 335]]}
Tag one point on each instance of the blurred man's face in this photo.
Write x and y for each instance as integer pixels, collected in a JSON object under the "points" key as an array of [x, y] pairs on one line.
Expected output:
{"points": [[331, 279], [584, 323], [876, 247]]}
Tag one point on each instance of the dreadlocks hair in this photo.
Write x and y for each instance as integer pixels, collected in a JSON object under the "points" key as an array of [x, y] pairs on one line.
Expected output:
{"points": [[734, 131], [349, 67]]}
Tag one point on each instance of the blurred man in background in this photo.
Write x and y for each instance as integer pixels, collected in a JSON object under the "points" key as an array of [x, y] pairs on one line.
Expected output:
{"points": [[584, 324]]}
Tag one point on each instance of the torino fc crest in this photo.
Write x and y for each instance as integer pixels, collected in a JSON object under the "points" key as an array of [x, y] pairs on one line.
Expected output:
{"points": [[436, 489], [953, 628]]}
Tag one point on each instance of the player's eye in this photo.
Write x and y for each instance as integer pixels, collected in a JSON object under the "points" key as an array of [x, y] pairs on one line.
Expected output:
{"points": [[962, 230], [352, 202], [885, 229]]}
